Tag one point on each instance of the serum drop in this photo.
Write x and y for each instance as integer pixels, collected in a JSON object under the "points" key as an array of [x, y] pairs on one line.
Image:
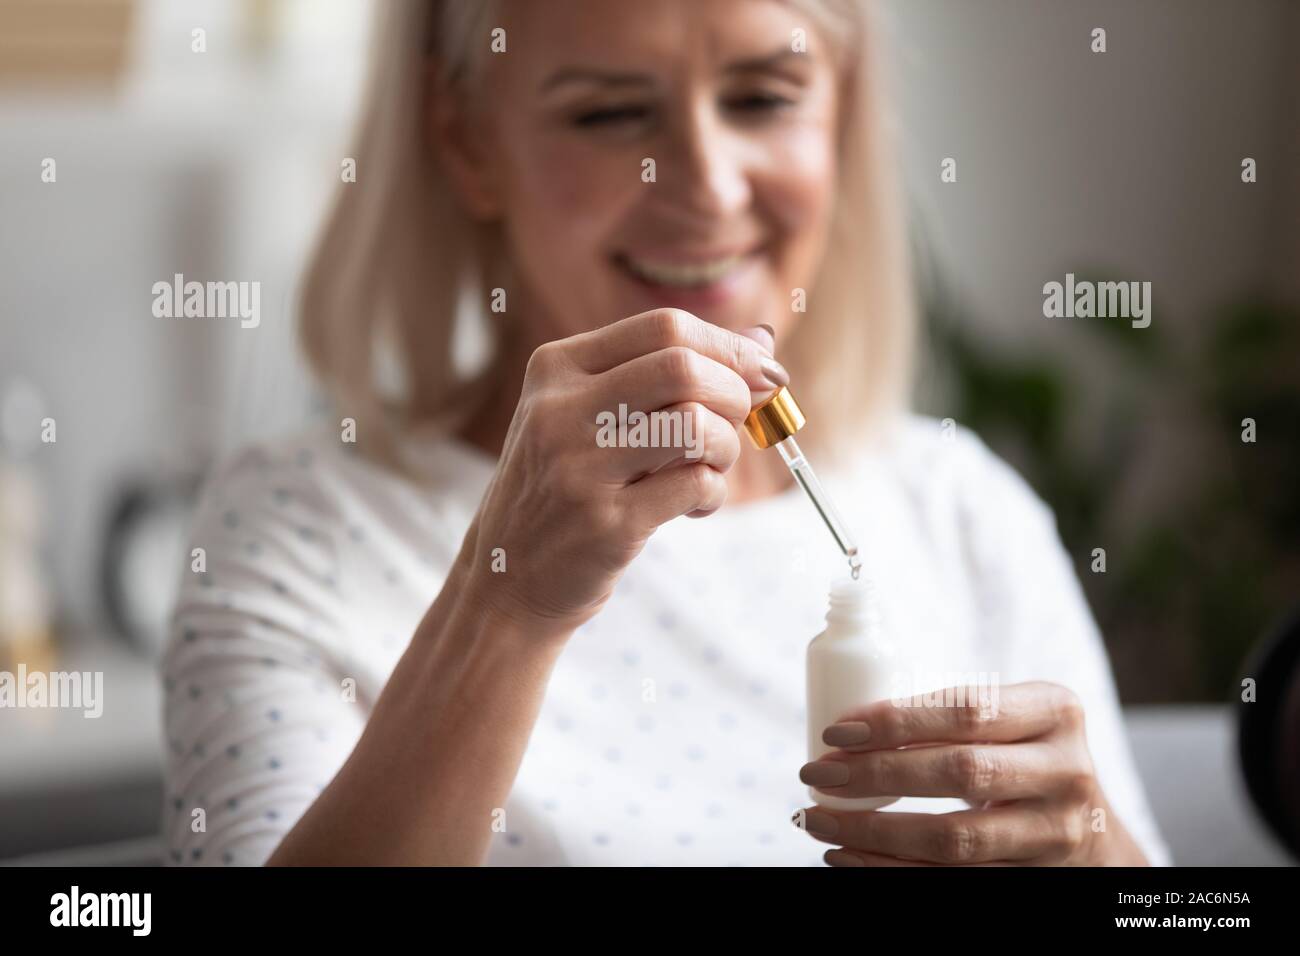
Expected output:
{"points": [[850, 664]]}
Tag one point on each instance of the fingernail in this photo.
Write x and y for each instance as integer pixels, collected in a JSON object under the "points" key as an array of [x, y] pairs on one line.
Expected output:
{"points": [[774, 372], [841, 858], [846, 733], [769, 330], [824, 773], [822, 824]]}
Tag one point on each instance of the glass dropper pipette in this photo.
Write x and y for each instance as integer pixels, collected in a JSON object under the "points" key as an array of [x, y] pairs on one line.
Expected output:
{"points": [[774, 422]]}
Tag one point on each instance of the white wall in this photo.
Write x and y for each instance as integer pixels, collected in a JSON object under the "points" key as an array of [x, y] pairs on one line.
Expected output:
{"points": [[214, 165], [1129, 159]]}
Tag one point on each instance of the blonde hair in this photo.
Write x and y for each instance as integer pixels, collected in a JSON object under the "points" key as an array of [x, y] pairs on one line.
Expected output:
{"points": [[398, 252]]}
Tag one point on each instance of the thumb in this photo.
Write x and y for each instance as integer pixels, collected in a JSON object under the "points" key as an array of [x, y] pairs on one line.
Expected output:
{"points": [[764, 335]]}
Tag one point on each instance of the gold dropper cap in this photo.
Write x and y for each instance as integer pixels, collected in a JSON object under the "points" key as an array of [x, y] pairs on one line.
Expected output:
{"points": [[775, 419]]}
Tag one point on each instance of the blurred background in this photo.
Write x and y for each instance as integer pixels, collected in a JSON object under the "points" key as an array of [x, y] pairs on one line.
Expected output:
{"points": [[1123, 165]]}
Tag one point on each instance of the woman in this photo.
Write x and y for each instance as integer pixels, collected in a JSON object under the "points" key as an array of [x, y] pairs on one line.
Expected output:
{"points": [[477, 635]]}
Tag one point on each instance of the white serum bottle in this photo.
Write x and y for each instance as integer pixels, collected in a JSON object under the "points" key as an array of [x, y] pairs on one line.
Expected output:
{"points": [[850, 663]]}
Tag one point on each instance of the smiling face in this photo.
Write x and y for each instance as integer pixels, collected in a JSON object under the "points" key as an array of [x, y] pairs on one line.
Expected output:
{"points": [[741, 130]]}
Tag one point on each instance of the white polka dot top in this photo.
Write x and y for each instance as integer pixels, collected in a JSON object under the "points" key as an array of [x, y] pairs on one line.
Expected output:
{"points": [[672, 730]]}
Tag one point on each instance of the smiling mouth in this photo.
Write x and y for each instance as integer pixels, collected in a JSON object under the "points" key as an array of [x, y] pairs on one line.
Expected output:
{"points": [[682, 275]]}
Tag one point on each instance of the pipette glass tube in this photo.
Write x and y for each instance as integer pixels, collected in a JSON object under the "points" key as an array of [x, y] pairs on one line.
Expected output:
{"points": [[774, 422], [807, 478]]}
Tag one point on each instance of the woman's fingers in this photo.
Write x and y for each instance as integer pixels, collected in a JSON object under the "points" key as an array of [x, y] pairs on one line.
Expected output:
{"points": [[952, 839], [617, 431], [1012, 713], [1017, 757], [1016, 833], [846, 857], [763, 335], [671, 376], [843, 856], [609, 347], [974, 772], [676, 491], [686, 433]]}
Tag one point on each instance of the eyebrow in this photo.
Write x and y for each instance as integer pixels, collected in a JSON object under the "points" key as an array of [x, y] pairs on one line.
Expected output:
{"points": [[759, 64], [574, 74]]}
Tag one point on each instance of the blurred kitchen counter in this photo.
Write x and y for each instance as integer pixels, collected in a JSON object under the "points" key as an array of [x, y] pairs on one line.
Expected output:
{"points": [[66, 779], [1187, 757]]}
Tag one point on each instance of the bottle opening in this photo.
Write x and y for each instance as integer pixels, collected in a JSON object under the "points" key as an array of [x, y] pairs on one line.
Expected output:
{"points": [[847, 592], [853, 602]]}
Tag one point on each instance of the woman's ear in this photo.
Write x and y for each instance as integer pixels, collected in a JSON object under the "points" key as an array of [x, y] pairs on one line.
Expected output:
{"points": [[458, 138]]}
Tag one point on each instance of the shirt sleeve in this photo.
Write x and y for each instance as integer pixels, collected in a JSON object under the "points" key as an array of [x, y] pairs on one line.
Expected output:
{"points": [[1033, 600], [259, 713]]}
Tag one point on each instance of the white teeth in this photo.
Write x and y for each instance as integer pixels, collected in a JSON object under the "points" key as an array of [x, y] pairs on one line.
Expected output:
{"points": [[701, 273]]}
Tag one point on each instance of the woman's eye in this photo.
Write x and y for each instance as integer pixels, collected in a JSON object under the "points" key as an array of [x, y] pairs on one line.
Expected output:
{"points": [[755, 104], [611, 116], [759, 103]]}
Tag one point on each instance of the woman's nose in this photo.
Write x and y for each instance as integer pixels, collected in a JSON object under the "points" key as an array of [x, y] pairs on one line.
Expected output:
{"points": [[705, 176]]}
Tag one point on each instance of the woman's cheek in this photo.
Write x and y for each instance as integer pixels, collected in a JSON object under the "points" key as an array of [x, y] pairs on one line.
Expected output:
{"points": [[565, 175], [803, 175], [564, 200], [798, 190]]}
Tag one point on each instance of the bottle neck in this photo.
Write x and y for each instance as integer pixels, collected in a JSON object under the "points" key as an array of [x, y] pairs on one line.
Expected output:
{"points": [[854, 609]]}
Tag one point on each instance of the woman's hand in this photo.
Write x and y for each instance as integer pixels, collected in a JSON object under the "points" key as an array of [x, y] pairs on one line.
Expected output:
{"points": [[570, 514], [1023, 766]]}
